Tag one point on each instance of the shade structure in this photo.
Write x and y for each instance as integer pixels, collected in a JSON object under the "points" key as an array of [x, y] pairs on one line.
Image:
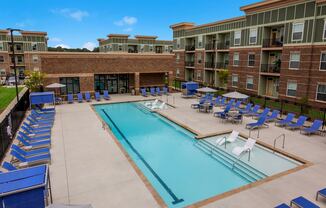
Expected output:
{"points": [[69, 206], [206, 90], [55, 85], [235, 95]]}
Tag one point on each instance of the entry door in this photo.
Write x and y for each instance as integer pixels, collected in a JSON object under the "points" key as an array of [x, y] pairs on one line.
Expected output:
{"points": [[113, 86], [269, 87]]}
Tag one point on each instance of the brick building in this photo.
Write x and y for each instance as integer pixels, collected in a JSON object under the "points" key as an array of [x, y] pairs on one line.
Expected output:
{"points": [[277, 49]]}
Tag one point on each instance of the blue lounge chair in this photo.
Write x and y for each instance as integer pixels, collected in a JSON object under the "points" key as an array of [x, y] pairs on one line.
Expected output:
{"points": [[303, 203], [253, 111], [87, 97], [230, 103], [30, 153], [33, 145], [224, 113], [300, 122], [45, 110], [106, 95], [37, 127], [80, 97], [273, 116], [97, 96], [33, 133], [37, 124], [152, 91], [321, 193], [158, 91], [314, 128], [143, 92], [247, 109], [283, 206], [216, 100], [40, 159], [262, 114], [34, 121], [222, 102], [286, 120], [165, 90], [237, 104], [42, 116], [33, 138], [260, 122], [196, 105], [8, 166], [70, 98]]}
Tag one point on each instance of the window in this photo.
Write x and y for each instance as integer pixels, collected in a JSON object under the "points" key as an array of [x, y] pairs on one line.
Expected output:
{"points": [[199, 58], [178, 43], [253, 36], [323, 61], [18, 47], [237, 37], [120, 47], [1, 46], [35, 58], [178, 57], [177, 73], [297, 31], [142, 48], [251, 59], [294, 60], [250, 82], [235, 79], [291, 88], [324, 31], [321, 92], [19, 59], [36, 69], [2, 59], [2, 72], [72, 85], [236, 59], [200, 41], [34, 46]]}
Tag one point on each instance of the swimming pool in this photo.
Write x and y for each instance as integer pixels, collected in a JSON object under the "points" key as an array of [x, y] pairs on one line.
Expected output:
{"points": [[179, 168]]}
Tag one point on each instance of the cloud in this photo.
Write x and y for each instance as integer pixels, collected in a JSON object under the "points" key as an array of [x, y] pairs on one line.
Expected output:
{"points": [[55, 40], [129, 29], [126, 20], [89, 45], [74, 14], [24, 23], [62, 46]]}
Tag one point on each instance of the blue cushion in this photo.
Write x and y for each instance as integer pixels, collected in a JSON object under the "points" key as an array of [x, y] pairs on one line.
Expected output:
{"points": [[283, 206], [322, 192], [303, 202]]}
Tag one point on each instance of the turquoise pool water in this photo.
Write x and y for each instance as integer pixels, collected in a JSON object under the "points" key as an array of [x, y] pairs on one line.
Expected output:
{"points": [[169, 156]]}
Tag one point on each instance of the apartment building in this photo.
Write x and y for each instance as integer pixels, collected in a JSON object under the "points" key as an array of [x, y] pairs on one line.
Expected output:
{"points": [[121, 43], [277, 49], [25, 42]]}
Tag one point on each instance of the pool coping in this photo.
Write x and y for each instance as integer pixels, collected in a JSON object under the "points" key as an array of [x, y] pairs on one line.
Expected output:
{"points": [[158, 198]]}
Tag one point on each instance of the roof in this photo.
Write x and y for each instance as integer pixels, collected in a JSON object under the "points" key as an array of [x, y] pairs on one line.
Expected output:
{"points": [[118, 35], [145, 37], [33, 33], [268, 4]]}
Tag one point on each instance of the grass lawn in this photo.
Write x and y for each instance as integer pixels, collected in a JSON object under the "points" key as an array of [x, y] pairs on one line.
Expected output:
{"points": [[6, 96]]}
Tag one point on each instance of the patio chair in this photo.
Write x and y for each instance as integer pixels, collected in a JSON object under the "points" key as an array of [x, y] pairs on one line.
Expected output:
{"points": [[253, 111], [37, 127], [8, 166], [203, 108], [322, 193], [216, 100], [260, 122], [87, 97], [314, 128], [230, 103], [80, 97], [158, 91], [165, 90], [70, 98], [248, 146], [40, 159], [35, 133], [273, 116], [45, 110], [286, 120], [196, 105], [237, 118], [33, 138], [224, 113], [42, 115], [237, 104], [143, 92], [97, 96], [33, 145], [152, 91], [222, 102], [303, 203], [247, 109], [230, 139], [283, 206], [299, 124], [30, 153], [106, 95], [38, 124], [262, 114]]}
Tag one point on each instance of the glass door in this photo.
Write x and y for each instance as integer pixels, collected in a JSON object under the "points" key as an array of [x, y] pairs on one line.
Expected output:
{"points": [[113, 84]]}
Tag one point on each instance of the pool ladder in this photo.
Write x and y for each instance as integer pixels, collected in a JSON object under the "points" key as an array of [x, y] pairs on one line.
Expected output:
{"points": [[276, 139]]}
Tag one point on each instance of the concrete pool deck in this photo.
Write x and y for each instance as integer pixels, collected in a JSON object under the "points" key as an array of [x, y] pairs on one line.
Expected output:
{"points": [[89, 167]]}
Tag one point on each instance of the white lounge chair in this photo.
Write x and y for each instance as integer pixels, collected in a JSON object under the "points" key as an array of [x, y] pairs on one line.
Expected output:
{"points": [[250, 143], [158, 107], [231, 138], [151, 104]]}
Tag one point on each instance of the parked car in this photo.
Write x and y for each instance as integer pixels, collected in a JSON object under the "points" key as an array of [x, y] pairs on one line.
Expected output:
{"points": [[11, 81]]}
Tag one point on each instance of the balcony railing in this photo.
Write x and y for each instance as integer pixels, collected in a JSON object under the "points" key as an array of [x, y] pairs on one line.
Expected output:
{"points": [[210, 46], [222, 65], [210, 65], [223, 45], [272, 43], [270, 68], [190, 47], [190, 63]]}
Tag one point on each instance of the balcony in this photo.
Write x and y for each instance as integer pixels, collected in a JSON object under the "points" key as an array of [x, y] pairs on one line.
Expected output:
{"points": [[270, 68], [210, 46], [222, 65], [272, 43], [223, 46], [210, 65], [132, 51], [190, 63], [190, 47]]}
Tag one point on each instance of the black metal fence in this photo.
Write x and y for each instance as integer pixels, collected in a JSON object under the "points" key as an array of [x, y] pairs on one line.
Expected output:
{"points": [[11, 123]]}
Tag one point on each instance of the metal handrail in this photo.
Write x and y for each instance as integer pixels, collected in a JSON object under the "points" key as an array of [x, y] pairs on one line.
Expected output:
{"points": [[280, 136], [240, 158]]}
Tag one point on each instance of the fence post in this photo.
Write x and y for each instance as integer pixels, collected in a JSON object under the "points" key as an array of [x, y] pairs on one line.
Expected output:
{"points": [[324, 118]]}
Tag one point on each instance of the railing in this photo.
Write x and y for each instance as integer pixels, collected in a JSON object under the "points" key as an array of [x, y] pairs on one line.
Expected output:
{"points": [[270, 68], [190, 47], [239, 158], [283, 143], [210, 46], [132, 51], [221, 65], [190, 63], [210, 65], [271, 43], [223, 45]]}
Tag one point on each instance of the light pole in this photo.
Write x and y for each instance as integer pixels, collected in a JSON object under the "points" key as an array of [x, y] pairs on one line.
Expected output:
{"points": [[14, 57]]}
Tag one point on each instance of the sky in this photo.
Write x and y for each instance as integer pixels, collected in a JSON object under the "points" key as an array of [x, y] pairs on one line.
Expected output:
{"points": [[78, 23]]}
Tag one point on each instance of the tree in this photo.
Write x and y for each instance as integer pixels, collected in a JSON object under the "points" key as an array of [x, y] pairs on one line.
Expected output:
{"points": [[34, 80], [223, 77]]}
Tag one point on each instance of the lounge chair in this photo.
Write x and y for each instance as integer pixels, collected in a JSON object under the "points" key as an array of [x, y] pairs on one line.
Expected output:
{"points": [[229, 103], [143, 92], [262, 114], [286, 120], [87, 97], [37, 128], [33, 145], [30, 153], [38, 124], [42, 116], [231, 138], [97, 96], [70, 98], [222, 102], [247, 109], [260, 122], [152, 91], [216, 101], [321, 193], [248, 146], [165, 90], [208, 108], [39, 159], [34, 133], [106, 95], [224, 113], [237, 104], [46, 110], [314, 128], [283, 206], [158, 91], [253, 111], [8, 166], [273, 116], [80, 97], [34, 138], [196, 105], [303, 203], [299, 124]]}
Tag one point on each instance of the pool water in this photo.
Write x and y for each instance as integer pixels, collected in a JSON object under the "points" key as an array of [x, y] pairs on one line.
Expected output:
{"points": [[169, 156]]}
